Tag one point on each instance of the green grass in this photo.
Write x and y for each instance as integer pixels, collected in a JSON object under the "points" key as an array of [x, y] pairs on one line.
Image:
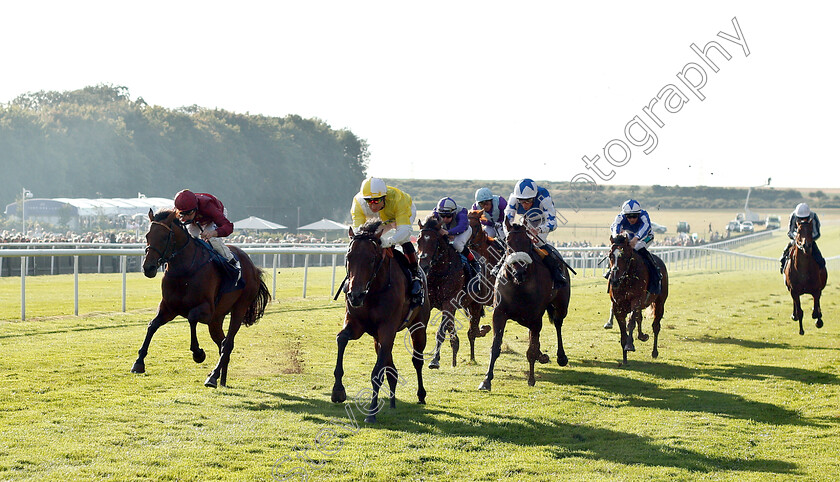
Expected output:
{"points": [[736, 394]]}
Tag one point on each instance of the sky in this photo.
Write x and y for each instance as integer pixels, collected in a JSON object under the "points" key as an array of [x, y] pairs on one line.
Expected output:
{"points": [[478, 90]]}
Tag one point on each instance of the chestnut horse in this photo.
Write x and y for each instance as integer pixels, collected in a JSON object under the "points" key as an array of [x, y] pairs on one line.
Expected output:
{"points": [[377, 302], [803, 275], [524, 292], [448, 291], [628, 283], [191, 288]]}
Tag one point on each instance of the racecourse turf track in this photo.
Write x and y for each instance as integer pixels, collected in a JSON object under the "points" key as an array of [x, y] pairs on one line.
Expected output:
{"points": [[736, 393]]}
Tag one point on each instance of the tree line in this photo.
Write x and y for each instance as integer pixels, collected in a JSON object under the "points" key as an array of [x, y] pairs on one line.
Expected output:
{"points": [[426, 193], [98, 142]]}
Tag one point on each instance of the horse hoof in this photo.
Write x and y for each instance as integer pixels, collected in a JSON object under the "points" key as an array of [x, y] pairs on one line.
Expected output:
{"points": [[485, 329], [562, 360], [644, 337], [338, 395], [199, 356], [543, 358], [485, 385], [531, 381], [138, 367], [608, 325], [819, 323], [802, 332], [629, 347], [793, 317], [210, 382], [434, 365], [654, 354], [370, 419]]}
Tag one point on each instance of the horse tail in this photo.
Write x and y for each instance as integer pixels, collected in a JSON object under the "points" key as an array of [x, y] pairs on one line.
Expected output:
{"points": [[257, 308]]}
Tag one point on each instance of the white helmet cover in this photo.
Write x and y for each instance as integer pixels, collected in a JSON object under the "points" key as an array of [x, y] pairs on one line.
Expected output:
{"points": [[631, 206], [525, 189], [446, 205], [802, 210]]}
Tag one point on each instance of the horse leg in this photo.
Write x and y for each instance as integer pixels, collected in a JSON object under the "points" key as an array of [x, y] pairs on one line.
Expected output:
{"points": [[631, 326], [454, 342], [385, 344], [659, 310], [227, 349], [499, 322], [344, 336], [217, 334], [197, 353], [534, 353], [817, 313], [392, 376], [609, 324], [439, 337], [797, 312], [557, 315], [418, 342], [620, 317], [163, 316]]}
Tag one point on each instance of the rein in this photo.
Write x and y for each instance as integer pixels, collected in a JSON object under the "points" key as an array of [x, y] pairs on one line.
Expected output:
{"points": [[170, 240], [438, 257], [375, 270]]}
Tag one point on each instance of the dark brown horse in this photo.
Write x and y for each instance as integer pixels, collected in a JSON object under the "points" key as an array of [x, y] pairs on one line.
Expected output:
{"points": [[448, 291], [803, 275], [378, 303], [191, 285], [629, 278], [482, 244], [524, 292]]}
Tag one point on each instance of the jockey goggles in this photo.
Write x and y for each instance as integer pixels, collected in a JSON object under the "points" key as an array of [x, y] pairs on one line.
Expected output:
{"points": [[375, 200]]}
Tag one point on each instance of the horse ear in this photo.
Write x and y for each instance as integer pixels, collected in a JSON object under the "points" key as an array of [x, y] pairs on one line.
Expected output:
{"points": [[151, 215], [351, 232], [420, 223], [612, 239], [507, 224]]}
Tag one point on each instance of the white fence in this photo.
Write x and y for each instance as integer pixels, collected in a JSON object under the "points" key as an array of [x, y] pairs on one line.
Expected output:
{"points": [[586, 261]]}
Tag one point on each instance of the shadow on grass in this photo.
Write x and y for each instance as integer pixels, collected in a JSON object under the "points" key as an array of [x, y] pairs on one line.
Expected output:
{"points": [[638, 393], [560, 440]]}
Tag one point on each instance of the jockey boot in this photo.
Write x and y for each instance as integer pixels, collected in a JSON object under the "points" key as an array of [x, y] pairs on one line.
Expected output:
{"points": [[416, 283], [235, 263], [818, 257], [655, 284], [783, 259], [475, 268], [553, 261]]}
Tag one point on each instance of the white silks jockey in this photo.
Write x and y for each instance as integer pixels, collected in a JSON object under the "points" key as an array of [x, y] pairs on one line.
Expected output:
{"points": [[634, 222]]}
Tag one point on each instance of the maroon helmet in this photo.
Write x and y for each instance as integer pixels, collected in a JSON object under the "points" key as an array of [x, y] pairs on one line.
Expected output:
{"points": [[186, 200]]}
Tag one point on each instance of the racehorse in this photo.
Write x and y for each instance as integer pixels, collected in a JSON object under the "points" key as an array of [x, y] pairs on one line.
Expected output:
{"points": [[803, 275], [524, 292], [628, 284], [377, 302], [191, 288], [480, 243], [447, 288]]}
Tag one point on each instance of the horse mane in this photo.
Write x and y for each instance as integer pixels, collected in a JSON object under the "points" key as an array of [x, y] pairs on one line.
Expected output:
{"points": [[432, 222], [475, 213], [368, 230], [163, 215], [516, 227], [619, 239]]}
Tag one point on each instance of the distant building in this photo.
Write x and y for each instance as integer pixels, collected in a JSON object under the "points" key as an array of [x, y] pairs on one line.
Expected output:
{"points": [[82, 213]]}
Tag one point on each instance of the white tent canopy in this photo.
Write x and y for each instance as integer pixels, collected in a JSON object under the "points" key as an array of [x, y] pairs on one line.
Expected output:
{"points": [[255, 223], [324, 225]]}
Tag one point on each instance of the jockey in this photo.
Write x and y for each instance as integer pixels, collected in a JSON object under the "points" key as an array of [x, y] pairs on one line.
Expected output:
{"points": [[375, 200], [535, 204], [494, 211], [634, 220], [454, 222], [801, 213], [206, 217]]}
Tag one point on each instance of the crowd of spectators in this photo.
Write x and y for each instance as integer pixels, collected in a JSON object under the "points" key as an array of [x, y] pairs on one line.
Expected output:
{"points": [[38, 235]]}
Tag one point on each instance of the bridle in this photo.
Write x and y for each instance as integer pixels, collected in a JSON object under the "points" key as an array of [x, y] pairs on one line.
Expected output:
{"points": [[377, 268], [803, 244], [170, 243], [614, 257], [439, 255]]}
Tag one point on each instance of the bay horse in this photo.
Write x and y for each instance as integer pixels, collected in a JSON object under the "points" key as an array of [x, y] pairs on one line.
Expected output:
{"points": [[803, 275], [191, 288], [377, 302], [448, 290], [524, 292], [628, 283]]}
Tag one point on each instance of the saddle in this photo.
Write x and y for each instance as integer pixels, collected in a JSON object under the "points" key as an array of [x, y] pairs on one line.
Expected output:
{"points": [[229, 273]]}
